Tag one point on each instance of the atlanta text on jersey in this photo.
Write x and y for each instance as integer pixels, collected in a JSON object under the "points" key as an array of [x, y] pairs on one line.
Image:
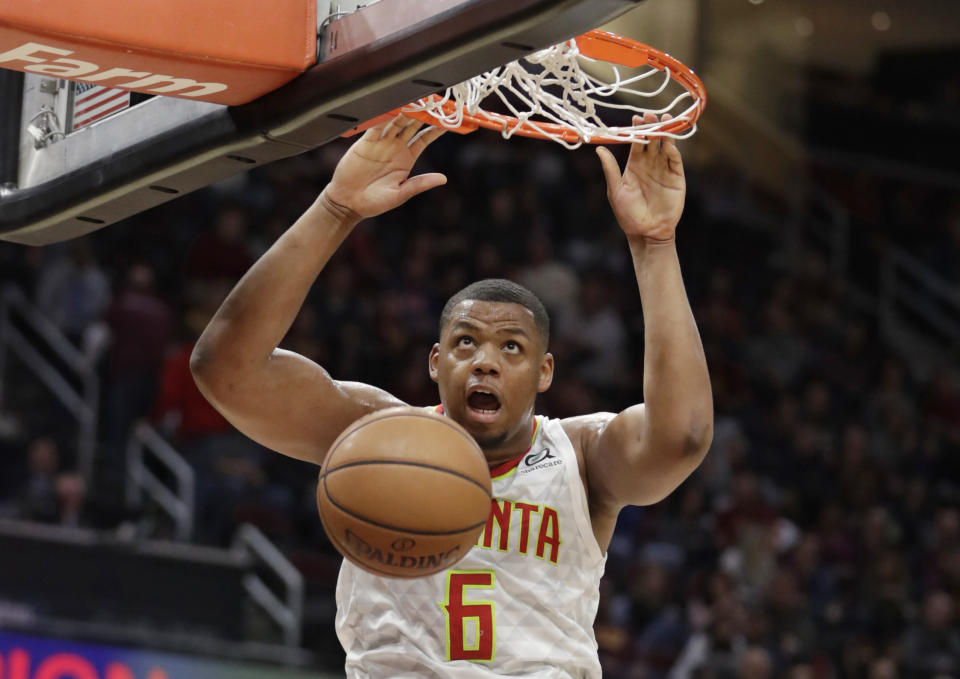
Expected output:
{"points": [[534, 525]]}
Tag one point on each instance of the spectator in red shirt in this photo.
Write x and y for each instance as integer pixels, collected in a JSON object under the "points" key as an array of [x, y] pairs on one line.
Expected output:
{"points": [[181, 410], [141, 328], [231, 478], [221, 252]]}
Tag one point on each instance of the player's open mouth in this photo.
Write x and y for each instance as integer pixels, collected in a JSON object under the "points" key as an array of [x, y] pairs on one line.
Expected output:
{"points": [[483, 402]]}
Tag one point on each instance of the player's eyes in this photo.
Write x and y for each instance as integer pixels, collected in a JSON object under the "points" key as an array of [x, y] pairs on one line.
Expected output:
{"points": [[464, 341], [512, 346]]}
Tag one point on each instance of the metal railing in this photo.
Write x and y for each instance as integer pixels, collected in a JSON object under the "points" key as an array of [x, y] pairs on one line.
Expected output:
{"points": [[909, 287], [82, 403], [912, 296], [178, 502], [145, 449], [151, 630], [285, 610]]}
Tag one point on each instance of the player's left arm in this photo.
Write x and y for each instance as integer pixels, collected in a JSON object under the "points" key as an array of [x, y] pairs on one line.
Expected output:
{"points": [[646, 451]]}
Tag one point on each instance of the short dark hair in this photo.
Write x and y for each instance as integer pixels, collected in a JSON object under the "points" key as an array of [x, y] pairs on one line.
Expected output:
{"points": [[501, 290]]}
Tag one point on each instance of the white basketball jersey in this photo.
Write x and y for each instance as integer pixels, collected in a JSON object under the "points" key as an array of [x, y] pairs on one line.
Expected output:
{"points": [[521, 603]]}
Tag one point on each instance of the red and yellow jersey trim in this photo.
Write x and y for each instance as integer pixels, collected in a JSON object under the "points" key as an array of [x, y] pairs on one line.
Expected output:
{"points": [[506, 468]]}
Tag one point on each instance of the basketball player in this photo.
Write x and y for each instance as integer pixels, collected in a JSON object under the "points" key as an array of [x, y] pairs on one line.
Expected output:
{"points": [[523, 601]]}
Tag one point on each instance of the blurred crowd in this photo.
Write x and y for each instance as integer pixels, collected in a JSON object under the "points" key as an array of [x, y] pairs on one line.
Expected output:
{"points": [[821, 536]]}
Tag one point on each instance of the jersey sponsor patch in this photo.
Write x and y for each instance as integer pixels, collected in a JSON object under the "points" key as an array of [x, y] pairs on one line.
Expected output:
{"points": [[541, 459]]}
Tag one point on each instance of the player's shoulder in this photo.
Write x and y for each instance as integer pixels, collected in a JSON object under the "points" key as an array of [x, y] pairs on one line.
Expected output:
{"points": [[584, 430], [589, 423], [373, 398]]}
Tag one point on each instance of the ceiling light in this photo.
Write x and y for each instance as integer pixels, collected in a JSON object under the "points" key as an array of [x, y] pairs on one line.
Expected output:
{"points": [[880, 20]]}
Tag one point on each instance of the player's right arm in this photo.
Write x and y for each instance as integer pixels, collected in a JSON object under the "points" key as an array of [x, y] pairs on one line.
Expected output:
{"points": [[278, 398]]}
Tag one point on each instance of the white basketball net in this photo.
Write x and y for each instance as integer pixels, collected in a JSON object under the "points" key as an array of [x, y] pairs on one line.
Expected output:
{"points": [[582, 98]]}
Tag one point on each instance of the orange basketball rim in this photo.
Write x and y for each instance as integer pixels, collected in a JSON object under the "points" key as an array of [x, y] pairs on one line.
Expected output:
{"points": [[572, 118]]}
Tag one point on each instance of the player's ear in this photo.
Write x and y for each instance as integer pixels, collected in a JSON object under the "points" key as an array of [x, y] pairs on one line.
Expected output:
{"points": [[546, 373], [433, 361]]}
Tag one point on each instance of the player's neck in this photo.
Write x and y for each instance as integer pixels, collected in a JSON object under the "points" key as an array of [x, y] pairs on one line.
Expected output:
{"points": [[515, 446]]}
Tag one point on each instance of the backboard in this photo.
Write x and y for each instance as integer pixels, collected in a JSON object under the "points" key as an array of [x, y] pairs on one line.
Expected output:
{"points": [[72, 179]]}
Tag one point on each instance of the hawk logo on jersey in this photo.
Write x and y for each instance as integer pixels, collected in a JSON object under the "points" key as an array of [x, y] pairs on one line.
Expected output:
{"points": [[535, 459]]}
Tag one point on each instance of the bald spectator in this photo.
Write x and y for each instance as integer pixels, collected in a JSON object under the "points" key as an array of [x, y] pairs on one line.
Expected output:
{"points": [[755, 663], [38, 495], [801, 671], [932, 645], [884, 668], [71, 494], [48, 494]]}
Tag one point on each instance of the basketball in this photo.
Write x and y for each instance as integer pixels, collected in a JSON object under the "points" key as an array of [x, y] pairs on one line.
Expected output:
{"points": [[404, 492]]}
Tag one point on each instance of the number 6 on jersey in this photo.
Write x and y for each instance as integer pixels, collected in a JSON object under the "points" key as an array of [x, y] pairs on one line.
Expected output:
{"points": [[458, 612]]}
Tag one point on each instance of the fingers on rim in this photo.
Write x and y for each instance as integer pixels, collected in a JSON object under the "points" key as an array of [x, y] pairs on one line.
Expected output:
{"points": [[667, 141], [376, 131], [662, 140], [409, 130], [386, 129], [426, 136], [395, 126], [636, 121], [646, 119], [608, 163], [652, 118]]}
